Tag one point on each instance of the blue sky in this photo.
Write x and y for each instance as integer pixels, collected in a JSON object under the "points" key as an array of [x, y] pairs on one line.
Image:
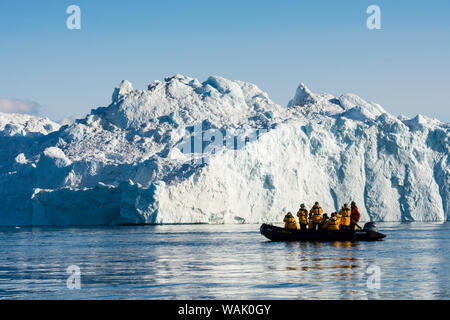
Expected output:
{"points": [[405, 66]]}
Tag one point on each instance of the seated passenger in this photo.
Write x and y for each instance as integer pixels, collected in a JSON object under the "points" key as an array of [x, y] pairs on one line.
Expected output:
{"points": [[324, 224], [334, 222], [289, 221]]}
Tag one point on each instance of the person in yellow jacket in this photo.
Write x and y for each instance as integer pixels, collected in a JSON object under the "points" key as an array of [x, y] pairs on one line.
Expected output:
{"points": [[316, 215], [334, 222], [325, 222], [290, 222], [302, 215], [345, 217]]}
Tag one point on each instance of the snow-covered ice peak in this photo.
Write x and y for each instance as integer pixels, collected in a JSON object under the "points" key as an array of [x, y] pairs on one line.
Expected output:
{"points": [[347, 105], [303, 96], [221, 151], [15, 124], [124, 88], [183, 101], [359, 109], [420, 122]]}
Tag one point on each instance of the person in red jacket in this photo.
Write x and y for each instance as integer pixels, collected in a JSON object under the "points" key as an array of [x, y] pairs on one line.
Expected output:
{"points": [[354, 216]]}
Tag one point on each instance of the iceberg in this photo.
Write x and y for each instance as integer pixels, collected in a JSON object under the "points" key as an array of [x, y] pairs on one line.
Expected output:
{"points": [[221, 151]]}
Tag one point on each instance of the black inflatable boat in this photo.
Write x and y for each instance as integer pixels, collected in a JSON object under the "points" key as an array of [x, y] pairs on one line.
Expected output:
{"points": [[368, 233]]}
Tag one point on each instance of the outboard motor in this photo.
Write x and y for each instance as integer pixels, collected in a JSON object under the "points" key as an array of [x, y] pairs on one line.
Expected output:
{"points": [[370, 226]]}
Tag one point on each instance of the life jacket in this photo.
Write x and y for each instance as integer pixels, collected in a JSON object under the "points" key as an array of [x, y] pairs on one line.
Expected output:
{"points": [[317, 214], [290, 223], [333, 223], [325, 224], [345, 219], [302, 215]]}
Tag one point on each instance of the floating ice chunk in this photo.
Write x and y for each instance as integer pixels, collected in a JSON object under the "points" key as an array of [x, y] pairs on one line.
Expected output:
{"points": [[21, 159]]}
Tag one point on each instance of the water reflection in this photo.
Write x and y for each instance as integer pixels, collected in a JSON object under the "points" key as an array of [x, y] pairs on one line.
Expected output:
{"points": [[328, 265], [221, 262]]}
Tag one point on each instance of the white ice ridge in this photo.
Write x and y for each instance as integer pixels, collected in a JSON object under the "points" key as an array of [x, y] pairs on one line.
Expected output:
{"points": [[221, 151]]}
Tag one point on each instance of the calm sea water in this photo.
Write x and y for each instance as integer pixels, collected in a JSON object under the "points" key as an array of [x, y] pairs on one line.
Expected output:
{"points": [[222, 262]]}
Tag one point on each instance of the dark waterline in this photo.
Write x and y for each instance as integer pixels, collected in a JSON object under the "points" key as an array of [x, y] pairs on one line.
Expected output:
{"points": [[221, 262]]}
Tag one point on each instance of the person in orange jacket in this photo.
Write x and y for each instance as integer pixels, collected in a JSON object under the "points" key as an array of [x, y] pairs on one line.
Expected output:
{"points": [[354, 216]]}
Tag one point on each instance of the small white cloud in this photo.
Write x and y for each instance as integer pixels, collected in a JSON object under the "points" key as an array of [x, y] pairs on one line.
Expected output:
{"points": [[19, 106]]}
